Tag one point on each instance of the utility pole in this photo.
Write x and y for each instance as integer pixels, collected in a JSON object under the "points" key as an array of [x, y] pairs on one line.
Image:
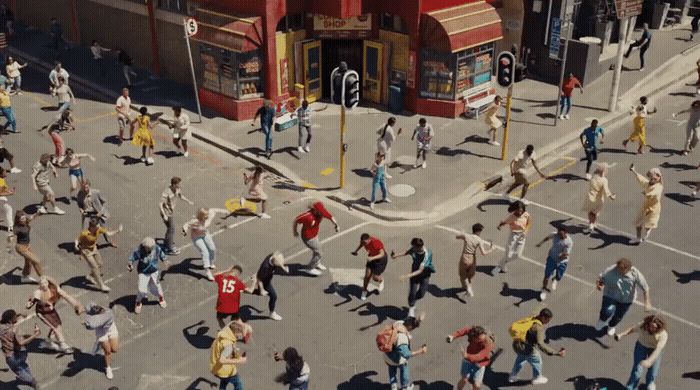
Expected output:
{"points": [[569, 29], [622, 38], [190, 26], [504, 145]]}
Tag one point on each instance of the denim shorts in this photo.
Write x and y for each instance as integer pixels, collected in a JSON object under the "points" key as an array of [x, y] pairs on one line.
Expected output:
{"points": [[552, 266], [472, 371]]}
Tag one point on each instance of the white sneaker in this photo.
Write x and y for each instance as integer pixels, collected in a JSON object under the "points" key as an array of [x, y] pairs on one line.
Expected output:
{"points": [[567, 117], [27, 279], [540, 380], [543, 295], [410, 387], [600, 325], [58, 211], [108, 372], [495, 270], [42, 210], [275, 316], [611, 331], [694, 194], [394, 386], [588, 176], [300, 149], [388, 176], [321, 267], [512, 378], [15, 170], [242, 201], [307, 149], [313, 271], [162, 303], [209, 275], [143, 159], [150, 160], [425, 165], [412, 311], [415, 165], [554, 284], [186, 154], [380, 288], [651, 386], [494, 143], [561, 116], [105, 288], [371, 205], [264, 216], [470, 291], [363, 296], [387, 200]]}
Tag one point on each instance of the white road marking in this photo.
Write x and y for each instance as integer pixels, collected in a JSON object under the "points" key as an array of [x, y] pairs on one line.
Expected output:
{"points": [[677, 122], [585, 282]]}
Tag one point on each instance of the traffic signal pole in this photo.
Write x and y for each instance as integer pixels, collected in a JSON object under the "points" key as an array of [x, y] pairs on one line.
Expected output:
{"points": [[505, 77], [504, 145]]}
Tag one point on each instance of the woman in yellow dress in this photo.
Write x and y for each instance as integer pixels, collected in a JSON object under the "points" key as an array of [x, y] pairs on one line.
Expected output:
{"points": [[639, 134], [598, 190], [143, 136], [492, 120], [653, 189]]}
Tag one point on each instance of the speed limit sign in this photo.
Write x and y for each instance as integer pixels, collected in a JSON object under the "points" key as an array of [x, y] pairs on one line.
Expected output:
{"points": [[191, 26]]}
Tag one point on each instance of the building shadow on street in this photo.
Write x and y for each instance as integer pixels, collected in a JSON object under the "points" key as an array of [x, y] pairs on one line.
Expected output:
{"points": [[578, 332], [382, 313], [524, 294], [362, 381], [685, 278], [199, 337], [580, 382]]}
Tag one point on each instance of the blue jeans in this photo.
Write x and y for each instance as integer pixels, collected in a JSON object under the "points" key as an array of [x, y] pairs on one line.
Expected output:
{"points": [[404, 377], [18, 365], [234, 380], [553, 266], [206, 248], [63, 107], [565, 103], [381, 182], [613, 310], [17, 83], [640, 353], [10, 115], [535, 360], [300, 386], [267, 130]]}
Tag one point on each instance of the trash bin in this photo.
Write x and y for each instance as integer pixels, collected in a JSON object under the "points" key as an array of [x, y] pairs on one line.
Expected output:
{"points": [[395, 99]]}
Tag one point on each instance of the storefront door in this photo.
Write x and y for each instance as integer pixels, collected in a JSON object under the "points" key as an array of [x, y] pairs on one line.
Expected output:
{"points": [[312, 71], [372, 75]]}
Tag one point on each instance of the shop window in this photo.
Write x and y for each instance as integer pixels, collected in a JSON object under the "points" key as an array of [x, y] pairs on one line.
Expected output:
{"points": [[291, 23], [179, 6], [392, 22], [237, 75], [437, 75], [474, 68]]}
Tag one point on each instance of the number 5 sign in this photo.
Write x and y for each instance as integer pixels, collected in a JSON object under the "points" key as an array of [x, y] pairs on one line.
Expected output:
{"points": [[191, 27]]}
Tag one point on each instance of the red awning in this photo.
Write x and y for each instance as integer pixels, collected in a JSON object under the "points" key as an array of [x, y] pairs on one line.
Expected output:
{"points": [[458, 28], [235, 33]]}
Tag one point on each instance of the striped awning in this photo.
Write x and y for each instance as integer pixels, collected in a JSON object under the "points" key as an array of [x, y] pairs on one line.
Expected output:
{"points": [[461, 27], [235, 33]]}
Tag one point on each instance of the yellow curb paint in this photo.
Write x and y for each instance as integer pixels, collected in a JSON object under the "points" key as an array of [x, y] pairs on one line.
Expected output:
{"points": [[234, 204], [327, 171], [307, 185], [570, 161]]}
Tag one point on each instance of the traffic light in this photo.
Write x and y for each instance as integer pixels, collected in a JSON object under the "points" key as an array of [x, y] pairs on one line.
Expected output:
{"points": [[337, 86], [352, 89], [505, 69]]}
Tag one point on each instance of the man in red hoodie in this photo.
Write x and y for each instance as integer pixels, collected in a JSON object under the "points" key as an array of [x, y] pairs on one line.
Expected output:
{"points": [[477, 355], [311, 224]]}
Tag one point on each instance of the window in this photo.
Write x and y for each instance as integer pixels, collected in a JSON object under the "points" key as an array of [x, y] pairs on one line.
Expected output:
{"points": [[450, 76], [474, 67], [291, 23], [392, 22], [236, 75], [437, 75], [179, 6]]}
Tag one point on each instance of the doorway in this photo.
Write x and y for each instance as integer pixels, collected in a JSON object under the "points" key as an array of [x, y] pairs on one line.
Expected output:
{"points": [[336, 50]]}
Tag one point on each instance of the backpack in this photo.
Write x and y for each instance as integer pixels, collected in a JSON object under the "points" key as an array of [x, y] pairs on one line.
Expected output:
{"points": [[518, 330], [387, 336]]}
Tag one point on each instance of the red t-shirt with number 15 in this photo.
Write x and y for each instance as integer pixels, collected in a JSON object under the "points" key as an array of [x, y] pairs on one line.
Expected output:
{"points": [[229, 299]]}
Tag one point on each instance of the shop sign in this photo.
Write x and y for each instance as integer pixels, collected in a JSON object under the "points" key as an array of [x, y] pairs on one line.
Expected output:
{"points": [[626, 8], [252, 66], [554, 39], [329, 23], [284, 75], [411, 76]]}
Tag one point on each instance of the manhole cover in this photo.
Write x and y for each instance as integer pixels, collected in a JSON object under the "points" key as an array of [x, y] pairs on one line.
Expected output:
{"points": [[402, 190]]}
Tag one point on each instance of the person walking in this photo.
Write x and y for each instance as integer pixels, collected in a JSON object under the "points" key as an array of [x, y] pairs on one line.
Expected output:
{"points": [[377, 260], [519, 167], [123, 109], [379, 175], [65, 96], [598, 190], [557, 259], [649, 214], [267, 120], [619, 284], [691, 130], [642, 44], [198, 228], [262, 282], [44, 300], [12, 67], [297, 371], [102, 321], [92, 206], [14, 346], [40, 180], [127, 66], [519, 222], [181, 130], [310, 222], [304, 114], [639, 132], [56, 72], [146, 257], [386, 140], [58, 43], [528, 335], [168, 201], [86, 246], [75, 171], [6, 155], [421, 269], [492, 121], [21, 234], [256, 192], [476, 356], [64, 123], [229, 289], [97, 52], [424, 134], [6, 191], [142, 136], [7, 111], [399, 352], [589, 140], [467, 262], [567, 89], [224, 356], [653, 337]]}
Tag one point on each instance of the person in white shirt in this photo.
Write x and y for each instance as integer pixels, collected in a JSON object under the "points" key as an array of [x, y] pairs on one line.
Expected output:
{"points": [[424, 134], [386, 140], [123, 109], [181, 130], [97, 52], [12, 68], [518, 169], [57, 72], [65, 96], [202, 240]]}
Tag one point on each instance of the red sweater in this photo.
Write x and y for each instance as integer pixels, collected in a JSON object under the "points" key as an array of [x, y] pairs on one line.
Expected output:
{"points": [[310, 223], [478, 352]]}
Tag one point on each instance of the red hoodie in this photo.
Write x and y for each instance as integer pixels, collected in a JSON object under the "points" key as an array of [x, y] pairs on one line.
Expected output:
{"points": [[311, 223], [478, 352]]}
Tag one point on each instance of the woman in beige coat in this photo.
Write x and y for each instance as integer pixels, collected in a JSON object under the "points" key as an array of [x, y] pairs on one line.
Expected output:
{"points": [[598, 190], [653, 189], [492, 120]]}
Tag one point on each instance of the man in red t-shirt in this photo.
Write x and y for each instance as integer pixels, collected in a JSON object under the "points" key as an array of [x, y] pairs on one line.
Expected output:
{"points": [[376, 262], [567, 89], [310, 222], [230, 287]]}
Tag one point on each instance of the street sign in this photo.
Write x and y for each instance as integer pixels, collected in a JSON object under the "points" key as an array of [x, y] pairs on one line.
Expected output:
{"points": [[627, 8], [191, 27], [554, 38]]}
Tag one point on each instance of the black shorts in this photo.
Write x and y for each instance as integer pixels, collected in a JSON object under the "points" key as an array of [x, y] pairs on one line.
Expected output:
{"points": [[5, 155], [592, 154], [378, 266], [231, 316]]}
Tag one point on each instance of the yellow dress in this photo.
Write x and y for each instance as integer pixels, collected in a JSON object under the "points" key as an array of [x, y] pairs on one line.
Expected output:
{"points": [[640, 130], [598, 190], [651, 208], [490, 117], [143, 136]]}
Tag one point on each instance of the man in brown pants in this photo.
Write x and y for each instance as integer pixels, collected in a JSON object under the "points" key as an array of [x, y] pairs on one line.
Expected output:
{"points": [[86, 245], [467, 262]]}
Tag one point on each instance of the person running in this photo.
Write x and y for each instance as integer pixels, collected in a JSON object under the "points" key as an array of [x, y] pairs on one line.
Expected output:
{"points": [[92, 206], [142, 136], [310, 222], [198, 228], [146, 257], [691, 130], [649, 214], [102, 321], [492, 121], [55, 73], [65, 96], [40, 180], [256, 192], [14, 346], [619, 284], [267, 120], [123, 109], [224, 356], [379, 176], [421, 269], [297, 371], [7, 111], [64, 123], [262, 282], [653, 337], [476, 356], [567, 89], [639, 133], [127, 65], [72, 162], [21, 234], [181, 130], [527, 334], [168, 201], [386, 140], [589, 141], [377, 260], [6, 191], [6, 155], [557, 259], [519, 222], [228, 301], [12, 68], [425, 133], [467, 262], [519, 167], [398, 356], [44, 300], [304, 114], [86, 246], [598, 190], [642, 44]]}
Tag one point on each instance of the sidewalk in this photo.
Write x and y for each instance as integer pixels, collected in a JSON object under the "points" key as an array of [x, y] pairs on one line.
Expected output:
{"points": [[461, 158]]}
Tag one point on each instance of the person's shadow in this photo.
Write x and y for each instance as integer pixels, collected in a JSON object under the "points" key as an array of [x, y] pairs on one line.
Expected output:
{"points": [[128, 302], [10, 278], [247, 313], [492, 202], [185, 267], [582, 383], [453, 292], [381, 312], [684, 199], [199, 338], [524, 294], [687, 277], [347, 292], [82, 361], [578, 332], [609, 239], [437, 385], [362, 381], [195, 384]]}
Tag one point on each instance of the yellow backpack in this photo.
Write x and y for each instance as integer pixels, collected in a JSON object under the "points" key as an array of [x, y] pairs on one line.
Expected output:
{"points": [[518, 330]]}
